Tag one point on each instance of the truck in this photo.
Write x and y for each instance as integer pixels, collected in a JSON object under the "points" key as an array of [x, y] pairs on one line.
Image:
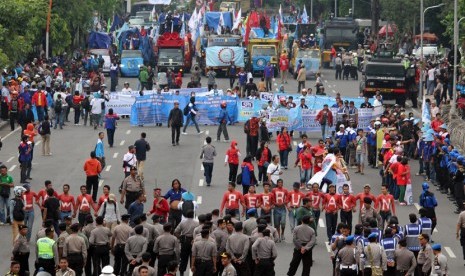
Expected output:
{"points": [[220, 50], [243, 5], [261, 51], [310, 58], [173, 52], [387, 76], [340, 32]]}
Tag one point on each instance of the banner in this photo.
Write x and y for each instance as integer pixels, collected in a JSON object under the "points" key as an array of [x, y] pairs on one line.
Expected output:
{"points": [[219, 56], [160, 2], [155, 108], [247, 108], [121, 103]]}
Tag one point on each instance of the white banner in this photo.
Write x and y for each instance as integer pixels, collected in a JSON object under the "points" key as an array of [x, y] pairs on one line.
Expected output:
{"points": [[160, 2]]}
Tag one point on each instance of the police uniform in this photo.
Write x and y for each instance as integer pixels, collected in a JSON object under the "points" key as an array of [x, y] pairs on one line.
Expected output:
{"points": [[132, 186], [425, 260], [249, 225], [389, 245], [21, 251], [153, 234], [348, 258], [47, 254], [120, 236], [412, 231], [135, 246], [303, 237], [405, 261], [100, 240], [75, 249], [375, 258], [220, 236], [264, 251], [440, 262], [185, 232], [167, 248], [204, 254], [90, 251], [237, 246]]}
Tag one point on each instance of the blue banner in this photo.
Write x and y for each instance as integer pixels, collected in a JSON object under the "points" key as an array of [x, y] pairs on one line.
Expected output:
{"points": [[247, 108], [217, 56], [155, 108]]}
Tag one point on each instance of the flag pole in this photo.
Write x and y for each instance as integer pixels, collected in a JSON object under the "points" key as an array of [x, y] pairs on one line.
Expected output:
{"points": [[47, 32]]}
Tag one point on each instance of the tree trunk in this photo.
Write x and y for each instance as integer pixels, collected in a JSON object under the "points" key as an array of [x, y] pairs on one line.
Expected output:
{"points": [[374, 19]]}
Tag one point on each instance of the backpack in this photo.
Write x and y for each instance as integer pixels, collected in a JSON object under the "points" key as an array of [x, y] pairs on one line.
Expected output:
{"points": [[187, 206], [186, 110], [85, 103], [246, 176], [18, 213], [69, 100], [58, 106], [247, 127], [429, 201]]}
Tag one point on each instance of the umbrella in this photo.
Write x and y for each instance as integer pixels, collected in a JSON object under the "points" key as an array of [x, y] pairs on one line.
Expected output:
{"points": [[391, 29], [427, 37]]}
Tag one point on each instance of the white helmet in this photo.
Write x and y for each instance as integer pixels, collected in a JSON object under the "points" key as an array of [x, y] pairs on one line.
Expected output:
{"points": [[18, 190], [107, 270]]}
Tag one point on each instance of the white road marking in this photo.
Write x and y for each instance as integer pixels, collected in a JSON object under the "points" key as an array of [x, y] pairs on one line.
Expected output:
{"points": [[207, 132], [9, 159], [321, 223], [435, 230], [100, 182], [115, 155], [38, 142], [200, 182], [108, 168], [11, 133], [199, 199], [128, 131], [326, 81], [204, 142], [295, 143], [12, 168], [122, 143], [417, 206], [201, 167], [449, 251], [328, 247], [334, 91]]}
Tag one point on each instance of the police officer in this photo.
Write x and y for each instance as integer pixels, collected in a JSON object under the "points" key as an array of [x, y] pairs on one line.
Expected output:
{"points": [[404, 259], [153, 234], [75, 250], [412, 230], [389, 244], [47, 252], [100, 240], [203, 255], [185, 232], [21, 250], [375, 257], [251, 223], [425, 256], [348, 258], [264, 253], [238, 246], [220, 236], [135, 246], [304, 239], [440, 261], [145, 262], [118, 242], [167, 248], [132, 187], [86, 230]]}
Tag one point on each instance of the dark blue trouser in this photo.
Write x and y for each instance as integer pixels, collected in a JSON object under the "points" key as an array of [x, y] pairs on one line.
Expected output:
{"points": [[331, 223], [208, 171]]}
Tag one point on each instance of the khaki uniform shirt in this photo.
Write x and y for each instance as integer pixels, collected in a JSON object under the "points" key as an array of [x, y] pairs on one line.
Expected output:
{"points": [[264, 248], [100, 235], [121, 233], [21, 245], [204, 250], [405, 260], [75, 244], [238, 245]]}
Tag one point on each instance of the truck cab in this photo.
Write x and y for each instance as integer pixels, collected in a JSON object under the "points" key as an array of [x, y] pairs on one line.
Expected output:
{"points": [[170, 52], [261, 52], [339, 32], [310, 57], [220, 51]]}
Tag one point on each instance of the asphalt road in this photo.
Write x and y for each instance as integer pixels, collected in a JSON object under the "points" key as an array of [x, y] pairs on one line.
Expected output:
{"points": [[71, 147]]}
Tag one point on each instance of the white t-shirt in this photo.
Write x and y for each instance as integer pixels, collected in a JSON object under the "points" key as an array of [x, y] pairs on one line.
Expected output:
{"points": [[196, 206], [131, 159], [431, 74], [274, 170], [96, 104], [126, 90]]}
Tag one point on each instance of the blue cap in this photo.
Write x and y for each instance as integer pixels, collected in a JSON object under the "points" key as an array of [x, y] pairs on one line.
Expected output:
{"points": [[447, 141], [461, 158], [251, 211], [453, 155], [436, 246], [350, 239], [188, 196], [444, 126], [444, 149], [373, 235], [455, 150], [425, 186]]}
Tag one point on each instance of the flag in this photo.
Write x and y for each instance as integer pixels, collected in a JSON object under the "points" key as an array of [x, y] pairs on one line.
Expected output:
{"points": [[280, 23], [237, 20], [425, 112], [193, 21], [304, 16], [247, 30], [153, 14], [108, 24], [220, 24], [183, 30], [280, 14]]}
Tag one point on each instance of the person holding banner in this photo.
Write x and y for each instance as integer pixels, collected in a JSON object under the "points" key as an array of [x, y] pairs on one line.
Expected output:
{"points": [[223, 119], [284, 146], [325, 118]]}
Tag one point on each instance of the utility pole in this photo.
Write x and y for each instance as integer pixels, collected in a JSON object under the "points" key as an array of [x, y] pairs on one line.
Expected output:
{"points": [[47, 31], [374, 18], [456, 41]]}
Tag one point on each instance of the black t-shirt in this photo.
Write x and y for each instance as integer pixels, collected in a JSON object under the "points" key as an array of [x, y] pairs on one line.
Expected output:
{"points": [[52, 204]]}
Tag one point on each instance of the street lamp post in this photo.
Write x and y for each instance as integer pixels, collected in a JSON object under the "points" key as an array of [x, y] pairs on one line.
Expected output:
{"points": [[47, 30], [422, 29], [453, 108]]}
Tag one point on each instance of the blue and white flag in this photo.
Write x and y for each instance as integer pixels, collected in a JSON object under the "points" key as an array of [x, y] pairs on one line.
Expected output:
{"points": [[425, 112], [304, 16]]}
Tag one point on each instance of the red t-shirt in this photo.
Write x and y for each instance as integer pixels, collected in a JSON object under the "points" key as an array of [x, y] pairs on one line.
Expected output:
{"points": [[280, 196], [42, 195], [29, 198], [347, 202], [361, 198], [251, 200], [231, 200], [66, 202], [163, 210], [294, 198], [386, 202], [394, 168], [402, 180], [84, 203], [317, 199], [331, 202], [266, 200], [102, 199]]}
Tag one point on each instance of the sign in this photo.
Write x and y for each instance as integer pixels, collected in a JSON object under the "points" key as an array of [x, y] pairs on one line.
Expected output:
{"points": [[218, 56], [247, 108], [160, 2]]}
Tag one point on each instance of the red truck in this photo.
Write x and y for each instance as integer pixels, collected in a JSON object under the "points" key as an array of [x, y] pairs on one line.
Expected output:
{"points": [[174, 52]]}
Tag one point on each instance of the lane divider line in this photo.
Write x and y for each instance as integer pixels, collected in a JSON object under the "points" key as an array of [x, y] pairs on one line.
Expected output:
{"points": [[11, 133], [115, 155], [128, 131], [199, 199], [417, 206], [321, 223], [201, 167], [295, 143], [207, 132], [328, 247], [38, 142], [100, 182], [449, 251], [200, 182], [9, 159], [122, 143], [12, 168], [108, 168]]}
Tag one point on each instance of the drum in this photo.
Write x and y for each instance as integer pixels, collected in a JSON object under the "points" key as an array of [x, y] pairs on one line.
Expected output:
{"points": [[174, 204]]}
